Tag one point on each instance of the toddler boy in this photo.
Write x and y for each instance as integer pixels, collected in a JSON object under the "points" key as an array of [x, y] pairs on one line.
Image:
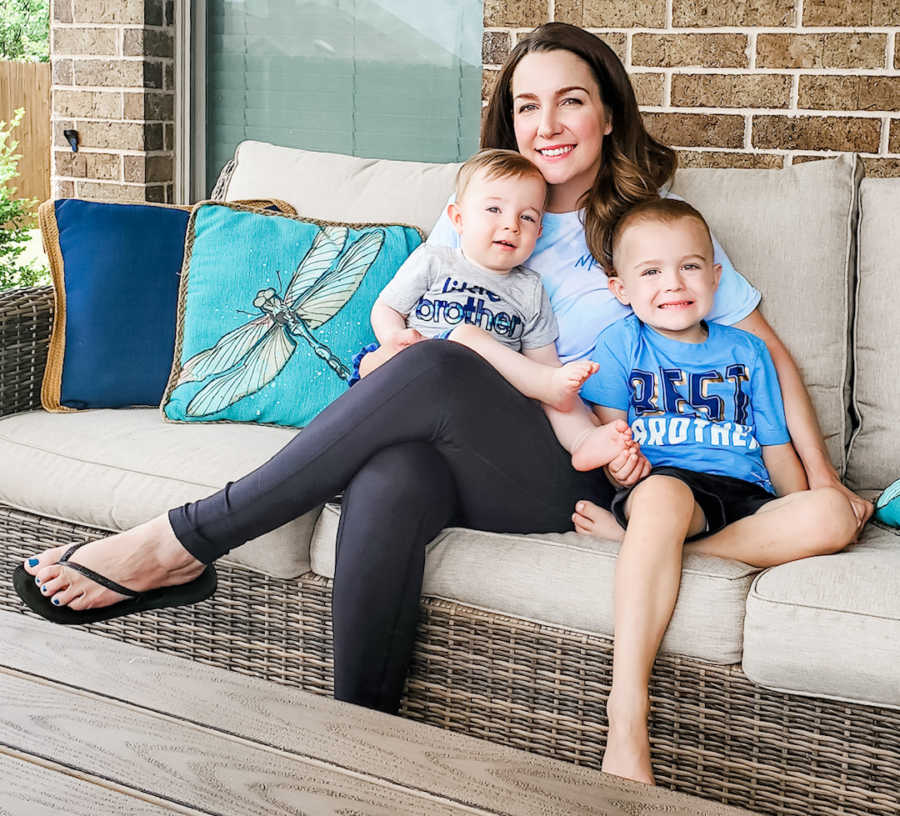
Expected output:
{"points": [[703, 402]]}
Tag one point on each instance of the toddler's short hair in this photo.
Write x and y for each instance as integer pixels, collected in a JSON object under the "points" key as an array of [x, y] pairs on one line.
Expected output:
{"points": [[664, 210], [496, 163]]}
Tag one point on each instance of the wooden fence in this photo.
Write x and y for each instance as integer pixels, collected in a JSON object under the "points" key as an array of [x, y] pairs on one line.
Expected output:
{"points": [[27, 85]]}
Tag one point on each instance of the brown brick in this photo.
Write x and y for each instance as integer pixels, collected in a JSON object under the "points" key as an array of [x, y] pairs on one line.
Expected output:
{"points": [[97, 42], [88, 104], [110, 191], [58, 126], [115, 135], [169, 76], [159, 106], [149, 168], [63, 189], [705, 158], [851, 12], [62, 71], [519, 13], [897, 51], [153, 75], [816, 133], [169, 140], [881, 168], [62, 11], [88, 165], [488, 80], [110, 73], [649, 88], [856, 93], [677, 50], [820, 50], [616, 40], [609, 13], [495, 47], [145, 42], [696, 130], [170, 12], [690, 13], [109, 11], [731, 91], [155, 193], [894, 137], [154, 12]]}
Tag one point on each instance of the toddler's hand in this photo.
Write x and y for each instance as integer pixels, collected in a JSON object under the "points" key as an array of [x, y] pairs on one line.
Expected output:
{"points": [[629, 466]]}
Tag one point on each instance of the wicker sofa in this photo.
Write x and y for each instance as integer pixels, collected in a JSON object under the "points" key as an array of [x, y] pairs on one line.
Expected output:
{"points": [[776, 690]]}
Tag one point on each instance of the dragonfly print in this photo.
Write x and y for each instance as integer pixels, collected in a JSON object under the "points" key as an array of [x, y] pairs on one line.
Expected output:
{"points": [[252, 355]]}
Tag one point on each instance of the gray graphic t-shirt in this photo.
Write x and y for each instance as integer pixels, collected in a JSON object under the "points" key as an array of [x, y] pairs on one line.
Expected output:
{"points": [[437, 288]]}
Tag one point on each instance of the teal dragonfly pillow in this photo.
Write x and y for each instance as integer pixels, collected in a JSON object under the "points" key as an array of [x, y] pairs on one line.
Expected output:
{"points": [[271, 310]]}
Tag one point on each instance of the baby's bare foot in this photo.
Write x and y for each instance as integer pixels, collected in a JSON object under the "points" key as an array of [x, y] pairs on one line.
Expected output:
{"points": [[602, 445], [566, 381], [143, 558]]}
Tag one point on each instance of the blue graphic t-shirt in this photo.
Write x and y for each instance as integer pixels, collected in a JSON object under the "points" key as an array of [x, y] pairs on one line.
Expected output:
{"points": [[706, 407], [577, 284]]}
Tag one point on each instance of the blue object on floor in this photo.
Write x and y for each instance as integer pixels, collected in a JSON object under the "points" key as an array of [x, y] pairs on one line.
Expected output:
{"points": [[887, 507]]}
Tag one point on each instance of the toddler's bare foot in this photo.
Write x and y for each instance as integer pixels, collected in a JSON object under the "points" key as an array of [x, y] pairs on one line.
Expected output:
{"points": [[628, 746], [565, 382], [589, 519], [143, 558], [602, 445]]}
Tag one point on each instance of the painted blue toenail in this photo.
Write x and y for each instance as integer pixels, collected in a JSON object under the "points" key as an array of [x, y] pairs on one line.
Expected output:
{"points": [[44, 588], [37, 580], [33, 562], [55, 600]]}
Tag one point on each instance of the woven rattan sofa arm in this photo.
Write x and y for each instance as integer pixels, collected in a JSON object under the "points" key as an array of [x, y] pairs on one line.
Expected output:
{"points": [[26, 318]]}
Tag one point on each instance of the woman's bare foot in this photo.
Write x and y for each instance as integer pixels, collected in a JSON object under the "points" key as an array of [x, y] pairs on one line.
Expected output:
{"points": [[602, 445], [628, 743], [146, 557], [565, 382]]}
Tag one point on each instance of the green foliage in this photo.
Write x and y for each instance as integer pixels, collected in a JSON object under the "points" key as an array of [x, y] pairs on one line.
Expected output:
{"points": [[25, 30], [16, 216]]}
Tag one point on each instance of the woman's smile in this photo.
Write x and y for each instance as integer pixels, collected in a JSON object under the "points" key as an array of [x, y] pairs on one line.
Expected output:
{"points": [[560, 121]]}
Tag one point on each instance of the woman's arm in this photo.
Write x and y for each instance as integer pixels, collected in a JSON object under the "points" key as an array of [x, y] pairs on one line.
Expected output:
{"points": [[801, 416]]}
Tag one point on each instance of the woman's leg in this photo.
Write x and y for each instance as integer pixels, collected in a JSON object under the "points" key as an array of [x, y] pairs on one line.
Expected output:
{"points": [[510, 472], [398, 501]]}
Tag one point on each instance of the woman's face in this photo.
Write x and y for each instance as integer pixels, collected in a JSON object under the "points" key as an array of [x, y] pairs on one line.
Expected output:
{"points": [[560, 121]]}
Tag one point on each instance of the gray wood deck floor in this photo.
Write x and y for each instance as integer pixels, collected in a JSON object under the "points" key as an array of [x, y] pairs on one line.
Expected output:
{"points": [[92, 726]]}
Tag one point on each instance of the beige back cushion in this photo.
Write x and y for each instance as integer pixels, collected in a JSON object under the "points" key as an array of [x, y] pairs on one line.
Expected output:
{"points": [[874, 460], [791, 234], [333, 187]]}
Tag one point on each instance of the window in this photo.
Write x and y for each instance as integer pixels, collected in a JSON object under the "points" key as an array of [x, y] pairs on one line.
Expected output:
{"points": [[396, 79]]}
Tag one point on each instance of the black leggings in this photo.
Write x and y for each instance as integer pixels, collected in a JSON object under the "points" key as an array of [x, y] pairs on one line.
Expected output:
{"points": [[435, 435]]}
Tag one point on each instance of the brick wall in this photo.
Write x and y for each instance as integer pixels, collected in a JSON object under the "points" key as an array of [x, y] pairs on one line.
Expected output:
{"points": [[743, 83], [113, 82]]}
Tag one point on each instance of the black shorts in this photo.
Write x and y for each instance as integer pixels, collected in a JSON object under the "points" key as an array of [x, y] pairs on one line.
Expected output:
{"points": [[723, 499]]}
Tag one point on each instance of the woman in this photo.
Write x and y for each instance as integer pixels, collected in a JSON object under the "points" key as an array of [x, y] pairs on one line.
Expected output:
{"points": [[409, 465]]}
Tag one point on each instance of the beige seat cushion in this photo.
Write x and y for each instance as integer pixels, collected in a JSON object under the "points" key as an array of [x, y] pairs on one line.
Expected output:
{"points": [[874, 459], [790, 233], [114, 469], [830, 626], [342, 188], [567, 580]]}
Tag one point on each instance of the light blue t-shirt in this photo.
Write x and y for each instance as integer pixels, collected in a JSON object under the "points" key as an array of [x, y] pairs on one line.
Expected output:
{"points": [[705, 406], [577, 284]]}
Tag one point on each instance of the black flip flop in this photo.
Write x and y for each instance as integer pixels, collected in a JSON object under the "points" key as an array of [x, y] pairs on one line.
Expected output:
{"points": [[192, 592]]}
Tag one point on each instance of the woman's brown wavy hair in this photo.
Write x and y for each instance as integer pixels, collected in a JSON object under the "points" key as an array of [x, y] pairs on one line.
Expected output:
{"points": [[634, 165]]}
